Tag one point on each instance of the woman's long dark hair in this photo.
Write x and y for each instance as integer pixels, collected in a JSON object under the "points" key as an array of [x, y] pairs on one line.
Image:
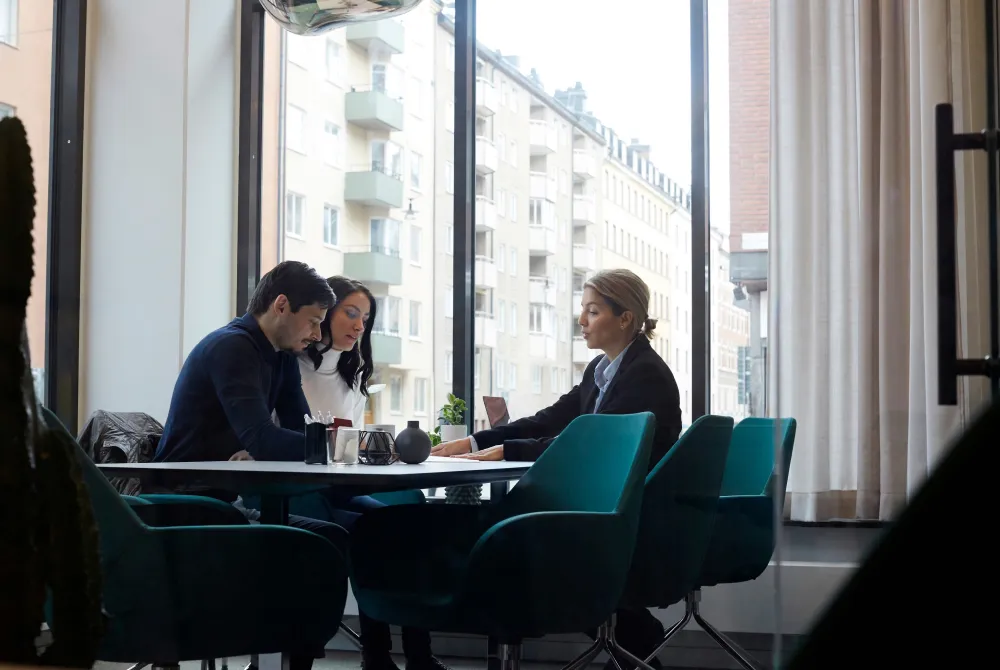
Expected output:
{"points": [[355, 366]]}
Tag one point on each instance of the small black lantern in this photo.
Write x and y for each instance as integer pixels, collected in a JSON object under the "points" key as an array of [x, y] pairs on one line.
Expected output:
{"points": [[376, 447]]}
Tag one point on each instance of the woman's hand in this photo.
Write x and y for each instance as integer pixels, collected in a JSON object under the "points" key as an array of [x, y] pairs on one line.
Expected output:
{"points": [[453, 448], [490, 454], [241, 456]]}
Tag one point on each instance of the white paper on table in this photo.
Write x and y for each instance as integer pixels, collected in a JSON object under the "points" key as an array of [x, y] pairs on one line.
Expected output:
{"points": [[448, 459]]}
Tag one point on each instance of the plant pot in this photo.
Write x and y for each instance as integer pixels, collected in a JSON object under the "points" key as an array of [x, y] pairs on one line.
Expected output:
{"points": [[450, 433]]}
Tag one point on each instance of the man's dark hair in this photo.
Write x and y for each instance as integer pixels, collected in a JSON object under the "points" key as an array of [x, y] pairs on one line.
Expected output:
{"points": [[296, 281]]}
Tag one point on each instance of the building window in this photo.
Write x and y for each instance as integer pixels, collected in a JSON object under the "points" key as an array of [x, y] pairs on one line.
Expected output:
{"points": [[501, 257], [331, 143], [387, 316], [8, 28], [500, 370], [513, 318], [449, 177], [415, 243], [416, 167], [387, 158], [420, 396], [512, 377], [450, 57], [449, 116], [385, 236], [332, 60], [449, 367], [415, 97], [501, 315], [295, 129], [501, 202], [414, 318], [331, 225], [501, 142], [475, 370], [536, 378], [513, 153], [449, 239], [295, 206], [449, 302], [513, 208], [553, 380], [396, 395], [513, 262], [535, 319]]}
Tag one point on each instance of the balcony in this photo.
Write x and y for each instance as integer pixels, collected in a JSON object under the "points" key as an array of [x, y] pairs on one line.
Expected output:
{"points": [[584, 257], [486, 330], [542, 346], [387, 349], [584, 210], [373, 109], [487, 100], [541, 291], [541, 241], [378, 268], [486, 156], [374, 186], [543, 186], [584, 165], [385, 36], [543, 138], [486, 214], [582, 355], [486, 272]]}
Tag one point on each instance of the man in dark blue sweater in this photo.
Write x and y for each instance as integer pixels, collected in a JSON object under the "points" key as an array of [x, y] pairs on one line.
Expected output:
{"points": [[222, 405], [238, 375]]}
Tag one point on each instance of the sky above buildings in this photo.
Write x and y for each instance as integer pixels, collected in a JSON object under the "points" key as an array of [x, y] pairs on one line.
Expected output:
{"points": [[634, 62]]}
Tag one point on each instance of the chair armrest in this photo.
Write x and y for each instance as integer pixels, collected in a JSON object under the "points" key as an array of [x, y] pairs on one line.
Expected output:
{"points": [[756, 510], [434, 539], [285, 587], [533, 569], [162, 510]]}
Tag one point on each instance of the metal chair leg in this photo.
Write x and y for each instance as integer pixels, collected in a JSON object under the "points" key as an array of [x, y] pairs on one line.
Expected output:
{"points": [[138, 666], [510, 656], [693, 609], [606, 642], [254, 663], [351, 635], [585, 659], [676, 628]]}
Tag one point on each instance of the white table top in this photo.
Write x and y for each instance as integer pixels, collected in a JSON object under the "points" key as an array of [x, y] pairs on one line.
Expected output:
{"points": [[258, 476]]}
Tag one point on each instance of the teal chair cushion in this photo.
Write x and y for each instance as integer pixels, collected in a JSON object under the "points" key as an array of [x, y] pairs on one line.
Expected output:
{"points": [[744, 536], [552, 557]]}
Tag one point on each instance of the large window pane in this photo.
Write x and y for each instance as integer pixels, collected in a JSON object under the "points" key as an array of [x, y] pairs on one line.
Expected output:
{"points": [[352, 119], [582, 163], [25, 92]]}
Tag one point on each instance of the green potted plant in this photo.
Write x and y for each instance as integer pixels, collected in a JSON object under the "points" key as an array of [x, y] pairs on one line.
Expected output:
{"points": [[451, 426], [50, 544]]}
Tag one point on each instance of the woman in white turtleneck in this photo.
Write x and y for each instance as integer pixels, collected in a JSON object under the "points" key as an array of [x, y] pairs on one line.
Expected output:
{"points": [[336, 370], [335, 373]]}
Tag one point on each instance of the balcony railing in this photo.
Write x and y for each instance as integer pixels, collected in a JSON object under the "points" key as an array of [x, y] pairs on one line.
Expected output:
{"points": [[486, 272], [487, 100], [584, 210], [373, 108], [385, 35], [486, 156], [378, 266], [486, 214], [543, 138], [375, 185]]}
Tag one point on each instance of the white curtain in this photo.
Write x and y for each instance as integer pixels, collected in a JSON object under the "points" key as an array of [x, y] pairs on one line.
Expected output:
{"points": [[852, 280]]}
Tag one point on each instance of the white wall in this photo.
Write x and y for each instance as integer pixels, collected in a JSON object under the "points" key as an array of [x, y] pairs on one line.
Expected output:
{"points": [[159, 194]]}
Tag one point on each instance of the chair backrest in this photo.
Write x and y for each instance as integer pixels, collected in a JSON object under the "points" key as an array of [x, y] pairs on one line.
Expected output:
{"points": [[607, 456], [678, 515], [117, 524], [750, 467]]}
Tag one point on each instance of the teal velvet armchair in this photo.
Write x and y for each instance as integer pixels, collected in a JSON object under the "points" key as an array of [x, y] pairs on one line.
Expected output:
{"points": [[552, 557], [192, 593]]}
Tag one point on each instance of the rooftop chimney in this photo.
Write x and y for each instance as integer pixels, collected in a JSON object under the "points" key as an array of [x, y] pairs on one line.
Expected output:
{"points": [[574, 98]]}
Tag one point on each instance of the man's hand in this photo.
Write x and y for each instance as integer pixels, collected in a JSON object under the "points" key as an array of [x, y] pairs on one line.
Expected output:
{"points": [[241, 456]]}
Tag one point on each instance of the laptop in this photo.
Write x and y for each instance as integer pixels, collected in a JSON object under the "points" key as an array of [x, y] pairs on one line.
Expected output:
{"points": [[496, 411]]}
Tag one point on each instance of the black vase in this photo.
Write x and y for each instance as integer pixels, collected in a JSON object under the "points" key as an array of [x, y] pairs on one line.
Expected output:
{"points": [[412, 444]]}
